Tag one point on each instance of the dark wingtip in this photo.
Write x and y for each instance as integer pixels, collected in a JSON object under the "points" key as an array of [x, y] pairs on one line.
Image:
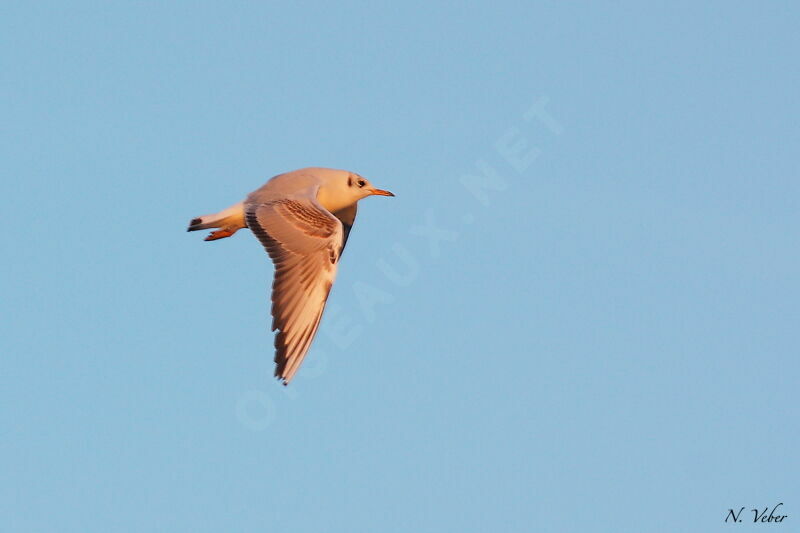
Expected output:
{"points": [[194, 224]]}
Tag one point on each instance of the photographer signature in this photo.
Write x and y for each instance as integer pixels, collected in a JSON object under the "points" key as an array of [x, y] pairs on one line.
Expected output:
{"points": [[758, 516]]}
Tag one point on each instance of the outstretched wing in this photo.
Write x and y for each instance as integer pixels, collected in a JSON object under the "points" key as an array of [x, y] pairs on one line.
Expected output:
{"points": [[304, 241]]}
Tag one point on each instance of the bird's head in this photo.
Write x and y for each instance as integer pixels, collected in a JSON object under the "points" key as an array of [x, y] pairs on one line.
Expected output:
{"points": [[341, 189]]}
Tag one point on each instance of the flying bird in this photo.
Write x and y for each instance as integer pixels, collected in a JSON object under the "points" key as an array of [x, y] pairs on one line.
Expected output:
{"points": [[303, 219]]}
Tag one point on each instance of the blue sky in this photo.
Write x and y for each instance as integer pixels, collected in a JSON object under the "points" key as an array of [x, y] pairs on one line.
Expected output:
{"points": [[578, 319]]}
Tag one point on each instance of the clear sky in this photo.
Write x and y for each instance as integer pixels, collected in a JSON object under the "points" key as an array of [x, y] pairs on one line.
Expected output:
{"points": [[580, 313]]}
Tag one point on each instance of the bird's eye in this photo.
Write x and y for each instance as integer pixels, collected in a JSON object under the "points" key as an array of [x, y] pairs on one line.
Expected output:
{"points": [[361, 183]]}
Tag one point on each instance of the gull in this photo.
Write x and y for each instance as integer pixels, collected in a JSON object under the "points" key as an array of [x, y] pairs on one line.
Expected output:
{"points": [[303, 219]]}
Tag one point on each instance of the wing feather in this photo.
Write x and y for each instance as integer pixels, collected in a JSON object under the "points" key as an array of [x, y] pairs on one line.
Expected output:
{"points": [[304, 241], [347, 217]]}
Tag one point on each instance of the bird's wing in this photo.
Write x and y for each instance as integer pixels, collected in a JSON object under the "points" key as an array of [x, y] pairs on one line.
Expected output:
{"points": [[347, 217], [304, 241]]}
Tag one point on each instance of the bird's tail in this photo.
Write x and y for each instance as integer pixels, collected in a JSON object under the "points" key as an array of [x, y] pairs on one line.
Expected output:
{"points": [[229, 221]]}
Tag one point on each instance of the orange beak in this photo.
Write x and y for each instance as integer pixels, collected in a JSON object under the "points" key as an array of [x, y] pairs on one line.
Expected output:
{"points": [[380, 192]]}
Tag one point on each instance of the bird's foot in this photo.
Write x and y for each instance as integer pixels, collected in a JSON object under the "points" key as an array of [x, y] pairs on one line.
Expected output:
{"points": [[220, 234]]}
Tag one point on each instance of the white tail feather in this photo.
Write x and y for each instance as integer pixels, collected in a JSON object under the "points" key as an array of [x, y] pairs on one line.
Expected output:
{"points": [[230, 218]]}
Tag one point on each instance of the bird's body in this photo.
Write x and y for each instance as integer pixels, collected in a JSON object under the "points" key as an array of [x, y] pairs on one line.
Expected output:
{"points": [[303, 219]]}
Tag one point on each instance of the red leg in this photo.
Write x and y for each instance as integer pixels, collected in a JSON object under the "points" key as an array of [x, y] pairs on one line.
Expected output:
{"points": [[220, 234]]}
